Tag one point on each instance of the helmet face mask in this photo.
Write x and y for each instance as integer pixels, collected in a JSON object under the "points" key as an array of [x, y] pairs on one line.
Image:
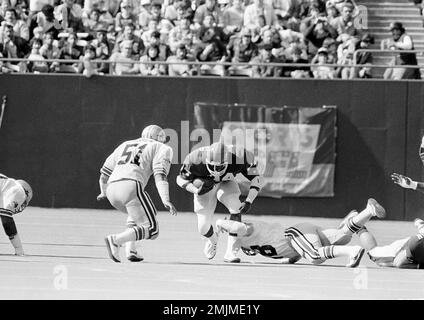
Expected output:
{"points": [[216, 169], [217, 159], [154, 132], [28, 192]]}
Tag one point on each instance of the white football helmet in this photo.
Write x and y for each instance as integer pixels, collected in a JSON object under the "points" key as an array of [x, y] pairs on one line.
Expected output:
{"points": [[154, 132], [218, 156]]}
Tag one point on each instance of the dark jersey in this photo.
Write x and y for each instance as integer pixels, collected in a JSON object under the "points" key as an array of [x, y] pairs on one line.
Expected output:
{"points": [[195, 166]]}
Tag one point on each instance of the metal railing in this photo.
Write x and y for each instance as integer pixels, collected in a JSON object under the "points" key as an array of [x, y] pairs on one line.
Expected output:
{"points": [[197, 65]]}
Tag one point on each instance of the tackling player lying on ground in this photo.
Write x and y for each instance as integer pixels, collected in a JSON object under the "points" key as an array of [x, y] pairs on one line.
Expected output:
{"points": [[209, 173], [15, 196], [303, 240], [407, 253], [123, 177]]}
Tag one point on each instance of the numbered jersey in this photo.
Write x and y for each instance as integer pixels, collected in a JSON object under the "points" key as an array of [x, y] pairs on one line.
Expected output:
{"points": [[268, 240], [12, 196], [138, 160], [241, 162]]}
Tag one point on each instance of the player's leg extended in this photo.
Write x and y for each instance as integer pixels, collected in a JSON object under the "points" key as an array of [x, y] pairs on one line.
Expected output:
{"points": [[355, 221], [307, 239], [229, 195], [204, 207]]}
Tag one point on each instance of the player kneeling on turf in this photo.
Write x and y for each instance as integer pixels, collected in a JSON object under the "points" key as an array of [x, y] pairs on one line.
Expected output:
{"points": [[209, 173], [303, 240], [123, 178], [15, 196]]}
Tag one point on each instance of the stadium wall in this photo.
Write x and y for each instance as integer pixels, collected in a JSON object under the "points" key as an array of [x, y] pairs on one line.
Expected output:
{"points": [[57, 131]]}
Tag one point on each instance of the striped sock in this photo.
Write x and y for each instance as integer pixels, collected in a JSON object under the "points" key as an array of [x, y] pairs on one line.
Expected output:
{"points": [[326, 252]]}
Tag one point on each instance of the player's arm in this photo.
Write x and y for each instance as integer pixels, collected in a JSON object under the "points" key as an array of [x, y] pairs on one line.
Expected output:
{"points": [[407, 183], [236, 228], [161, 167], [256, 182], [403, 261], [9, 227], [105, 173], [186, 177]]}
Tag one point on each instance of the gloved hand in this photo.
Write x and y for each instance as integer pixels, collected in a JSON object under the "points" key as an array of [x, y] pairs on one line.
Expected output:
{"points": [[19, 252], [245, 207], [170, 207]]}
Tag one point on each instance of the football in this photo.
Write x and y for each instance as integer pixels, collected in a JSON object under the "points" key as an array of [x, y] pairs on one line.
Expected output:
{"points": [[204, 184]]}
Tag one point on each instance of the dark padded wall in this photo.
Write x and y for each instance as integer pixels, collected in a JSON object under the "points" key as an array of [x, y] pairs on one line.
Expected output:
{"points": [[57, 131]]}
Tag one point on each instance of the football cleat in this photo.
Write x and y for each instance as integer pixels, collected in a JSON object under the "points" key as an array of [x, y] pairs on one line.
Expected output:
{"points": [[210, 246], [112, 248], [134, 256], [230, 257], [356, 257], [376, 209]]}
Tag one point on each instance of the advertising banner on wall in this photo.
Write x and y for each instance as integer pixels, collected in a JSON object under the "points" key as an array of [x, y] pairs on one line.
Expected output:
{"points": [[294, 147]]}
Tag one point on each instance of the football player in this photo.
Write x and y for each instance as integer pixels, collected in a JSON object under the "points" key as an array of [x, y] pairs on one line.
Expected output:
{"points": [[407, 253], [14, 198], [123, 178], [216, 167], [303, 240]]}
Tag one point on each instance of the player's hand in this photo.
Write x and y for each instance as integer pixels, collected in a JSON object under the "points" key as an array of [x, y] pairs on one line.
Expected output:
{"points": [[170, 207], [19, 252], [403, 181], [101, 197], [245, 207]]}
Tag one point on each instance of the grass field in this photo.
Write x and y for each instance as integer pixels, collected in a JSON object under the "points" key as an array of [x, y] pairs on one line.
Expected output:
{"points": [[66, 259]]}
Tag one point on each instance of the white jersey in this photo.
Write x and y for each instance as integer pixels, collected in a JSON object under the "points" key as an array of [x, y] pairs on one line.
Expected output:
{"points": [[267, 239], [137, 160], [12, 196]]}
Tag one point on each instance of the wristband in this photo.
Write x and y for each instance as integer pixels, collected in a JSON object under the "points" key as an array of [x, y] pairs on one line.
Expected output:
{"points": [[191, 188], [414, 185]]}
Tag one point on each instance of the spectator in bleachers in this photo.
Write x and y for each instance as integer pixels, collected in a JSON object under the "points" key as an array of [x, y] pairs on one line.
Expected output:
{"points": [[175, 70], [210, 49], [122, 61], [125, 16], [49, 49], [317, 31], [156, 14], [13, 46], [287, 34], [87, 67], [174, 11], [146, 34], [321, 71], [35, 63], [144, 15], [163, 48], [182, 34], [103, 50], [311, 14], [265, 57], [297, 72], [344, 24], [102, 5], [242, 50], [20, 28], [210, 7], [93, 23], [232, 16], [401, 41], [363, 58], [332, 12], [345, 52], [46, 20], [69, 14], [128, 34], [69, 50], [255, 10], [152, 69]]}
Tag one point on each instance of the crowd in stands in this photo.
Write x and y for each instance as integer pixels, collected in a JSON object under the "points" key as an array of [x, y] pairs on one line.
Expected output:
{"points": [[137, 36]]}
